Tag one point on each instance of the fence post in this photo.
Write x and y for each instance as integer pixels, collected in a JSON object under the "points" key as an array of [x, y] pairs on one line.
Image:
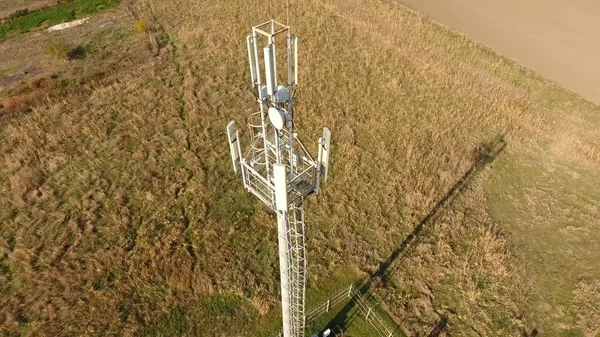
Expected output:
{"points": [[350, 290], [368, 312], [327, 310]]}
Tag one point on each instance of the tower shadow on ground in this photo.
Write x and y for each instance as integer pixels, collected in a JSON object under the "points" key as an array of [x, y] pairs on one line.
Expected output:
{"points": [[483, 155]]}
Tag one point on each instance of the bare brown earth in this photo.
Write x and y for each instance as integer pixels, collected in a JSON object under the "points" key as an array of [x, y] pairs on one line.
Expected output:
{"points": [[558, 38], [8, 7]]}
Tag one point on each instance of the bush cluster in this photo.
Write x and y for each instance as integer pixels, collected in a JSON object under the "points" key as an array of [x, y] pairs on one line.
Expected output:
{"points": [[64, 51], [18, 13], [141, 26]]}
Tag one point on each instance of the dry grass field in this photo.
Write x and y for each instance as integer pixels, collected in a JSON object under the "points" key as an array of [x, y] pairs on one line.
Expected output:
{"points": [[464, 187]]}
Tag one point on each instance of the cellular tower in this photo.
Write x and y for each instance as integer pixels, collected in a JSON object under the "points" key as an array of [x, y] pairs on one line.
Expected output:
{"points": [[276, 166]]}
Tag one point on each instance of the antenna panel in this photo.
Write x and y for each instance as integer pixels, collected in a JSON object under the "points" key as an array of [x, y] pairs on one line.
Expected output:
{"points": [[295, 60], [290, 54], [234, 145], [257, 64], [324, 160], [280, 187], [270, 68], [250, 42]]}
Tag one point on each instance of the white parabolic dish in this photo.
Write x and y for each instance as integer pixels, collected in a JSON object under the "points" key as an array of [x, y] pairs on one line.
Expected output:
{"points": [[277, 117]]}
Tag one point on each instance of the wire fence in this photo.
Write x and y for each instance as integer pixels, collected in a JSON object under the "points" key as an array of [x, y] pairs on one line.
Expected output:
{"points": [[370, 314], [372, 317], [329, 304]]}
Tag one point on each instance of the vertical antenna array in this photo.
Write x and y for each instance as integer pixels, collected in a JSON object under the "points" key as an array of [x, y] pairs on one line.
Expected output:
{"points": [[276, 166]]}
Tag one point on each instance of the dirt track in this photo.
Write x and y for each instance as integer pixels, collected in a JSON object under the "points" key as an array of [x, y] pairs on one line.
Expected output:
{"points": [[558, 38]]}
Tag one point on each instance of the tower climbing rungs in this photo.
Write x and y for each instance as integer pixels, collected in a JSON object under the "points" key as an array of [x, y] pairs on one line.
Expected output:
{"points": [[297, 264]]}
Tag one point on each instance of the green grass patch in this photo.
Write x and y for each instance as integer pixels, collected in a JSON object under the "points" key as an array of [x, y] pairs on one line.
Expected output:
{"points": [[354, 323], [53, 16], [524, 190], [218, 314]]}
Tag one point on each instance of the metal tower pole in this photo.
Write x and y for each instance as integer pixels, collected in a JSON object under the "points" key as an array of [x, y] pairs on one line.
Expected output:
{"points": [[277, 171]]}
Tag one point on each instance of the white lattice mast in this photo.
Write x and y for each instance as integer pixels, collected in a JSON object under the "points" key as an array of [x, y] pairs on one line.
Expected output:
{"points": [[277, 167]]}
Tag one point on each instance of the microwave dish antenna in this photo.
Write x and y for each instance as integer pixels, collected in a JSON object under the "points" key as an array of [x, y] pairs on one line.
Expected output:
{"points": [[277, 117]]}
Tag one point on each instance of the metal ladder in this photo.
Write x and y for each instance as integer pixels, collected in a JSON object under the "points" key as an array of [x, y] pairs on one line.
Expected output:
{"points": [[297, 265]]}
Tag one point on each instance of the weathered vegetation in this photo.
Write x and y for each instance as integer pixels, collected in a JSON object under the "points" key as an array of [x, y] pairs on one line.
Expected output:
{"points": [[23, 21], [463, 187], [73, 61]]}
